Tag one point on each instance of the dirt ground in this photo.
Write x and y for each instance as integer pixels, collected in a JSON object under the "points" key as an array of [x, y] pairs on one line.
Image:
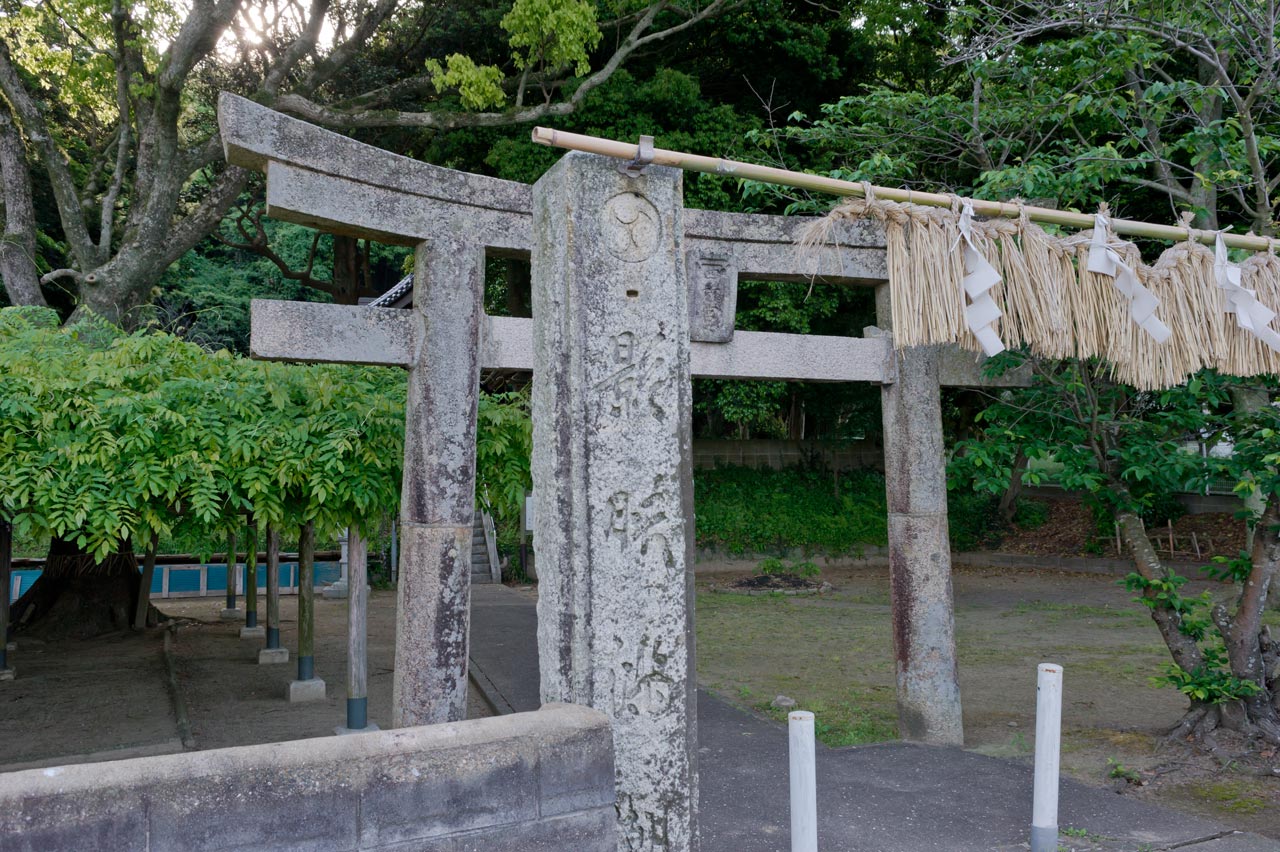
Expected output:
{"points": [[1070, 530], [232, 700], [101, 699], [832, 653]]}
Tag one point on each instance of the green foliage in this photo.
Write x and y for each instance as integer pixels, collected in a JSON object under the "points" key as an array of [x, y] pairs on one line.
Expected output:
{"points": [[1081, 114], [1211, 683], [552, 33], [973, 519], [1229, 569], [740, 510], [504, 447], [1163, 593], [1118, 771], [111, 439], [1031, 514], [479, 86], [772, 566]]}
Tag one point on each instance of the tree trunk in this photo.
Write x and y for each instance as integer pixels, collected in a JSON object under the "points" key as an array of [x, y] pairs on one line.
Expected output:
{"points": [[79, 599], [1186, 653], [1250, 652], [1009, 500], [115, 291], [346, 270], [519, 288], [18, 272]]}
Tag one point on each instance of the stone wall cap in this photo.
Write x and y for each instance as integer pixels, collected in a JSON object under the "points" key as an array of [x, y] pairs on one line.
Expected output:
{"points": [[551, 724]]}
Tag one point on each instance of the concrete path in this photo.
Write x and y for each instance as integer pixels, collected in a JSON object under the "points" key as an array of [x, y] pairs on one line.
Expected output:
{"points": [[884, 798]]}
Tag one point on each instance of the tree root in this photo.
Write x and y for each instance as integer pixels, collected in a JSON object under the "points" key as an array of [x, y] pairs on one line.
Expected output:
{"points": [[1202, 720]]}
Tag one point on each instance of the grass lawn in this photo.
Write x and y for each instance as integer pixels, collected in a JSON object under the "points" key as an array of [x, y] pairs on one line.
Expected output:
{"points": [[833, 654]]}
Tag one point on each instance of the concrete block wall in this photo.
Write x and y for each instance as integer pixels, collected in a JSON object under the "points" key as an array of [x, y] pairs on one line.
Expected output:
{"points": [[533, 782]]}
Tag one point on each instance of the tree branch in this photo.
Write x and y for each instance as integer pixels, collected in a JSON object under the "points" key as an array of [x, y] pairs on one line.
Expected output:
{"points": [[18, 269], [303, 107], [301, 46], [55, 162], [196, 225]]}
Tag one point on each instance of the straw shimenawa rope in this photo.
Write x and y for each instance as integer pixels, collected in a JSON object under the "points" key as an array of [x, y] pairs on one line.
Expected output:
{"points": [[1052, 303], [1049, 299]]}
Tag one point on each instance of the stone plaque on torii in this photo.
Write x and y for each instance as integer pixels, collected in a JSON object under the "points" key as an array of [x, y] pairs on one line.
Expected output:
{"points": [[632, 296]]}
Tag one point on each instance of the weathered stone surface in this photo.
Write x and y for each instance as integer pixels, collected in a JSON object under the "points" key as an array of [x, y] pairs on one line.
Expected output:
{"points": [[795, 357], [258, 632], [612, 479], [471, 785], [507, 344], [392, 215], [964, 369], [444, 381], [924, 629], [438, 492], [713, 295], [920, 552], [321, 178], [430, 681], [766, 248], [313, 333], [587, 831], [303, 691], [253, 136]]}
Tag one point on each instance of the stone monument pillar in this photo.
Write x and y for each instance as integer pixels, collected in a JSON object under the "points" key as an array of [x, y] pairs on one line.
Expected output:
{"points": [[612, 478]]}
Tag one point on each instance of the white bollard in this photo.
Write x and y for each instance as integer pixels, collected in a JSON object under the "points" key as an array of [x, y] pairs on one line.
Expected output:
{"points": [[804, 783], [1044, 808]]}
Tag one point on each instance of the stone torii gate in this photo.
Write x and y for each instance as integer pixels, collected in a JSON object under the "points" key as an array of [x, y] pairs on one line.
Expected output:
{"points": [[633, 295]]}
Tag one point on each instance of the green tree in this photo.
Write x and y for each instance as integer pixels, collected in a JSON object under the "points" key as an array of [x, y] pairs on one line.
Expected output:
{"points": [[112, 104], [1126, 451], [1155, 109], [111, 441]]}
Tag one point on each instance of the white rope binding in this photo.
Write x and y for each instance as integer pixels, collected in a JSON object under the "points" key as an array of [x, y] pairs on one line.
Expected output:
{"points": [[1104, 260], [979, 277], [1251, 315]]}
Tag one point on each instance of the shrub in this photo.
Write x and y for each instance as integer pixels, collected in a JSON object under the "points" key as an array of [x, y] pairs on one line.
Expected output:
{"points": [[1031, 514], [741, 510], [974, 519]]}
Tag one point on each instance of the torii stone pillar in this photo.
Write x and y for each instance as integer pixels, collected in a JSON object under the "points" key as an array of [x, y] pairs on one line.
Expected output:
{"points": [[437, 502], [915, 468], [613, 480]]}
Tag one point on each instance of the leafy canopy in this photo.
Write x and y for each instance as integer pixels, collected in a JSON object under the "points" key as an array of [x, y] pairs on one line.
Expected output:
{"points": [[112, 439]]}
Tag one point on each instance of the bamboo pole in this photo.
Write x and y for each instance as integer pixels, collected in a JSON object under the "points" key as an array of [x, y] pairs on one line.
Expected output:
{"points": [[834, 186]]}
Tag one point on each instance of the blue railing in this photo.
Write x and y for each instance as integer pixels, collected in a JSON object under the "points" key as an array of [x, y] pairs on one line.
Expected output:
{"points": [[193, 581]]}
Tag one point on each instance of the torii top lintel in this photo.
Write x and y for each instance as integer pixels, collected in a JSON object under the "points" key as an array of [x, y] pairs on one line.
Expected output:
{"points": [[325, 180]]}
